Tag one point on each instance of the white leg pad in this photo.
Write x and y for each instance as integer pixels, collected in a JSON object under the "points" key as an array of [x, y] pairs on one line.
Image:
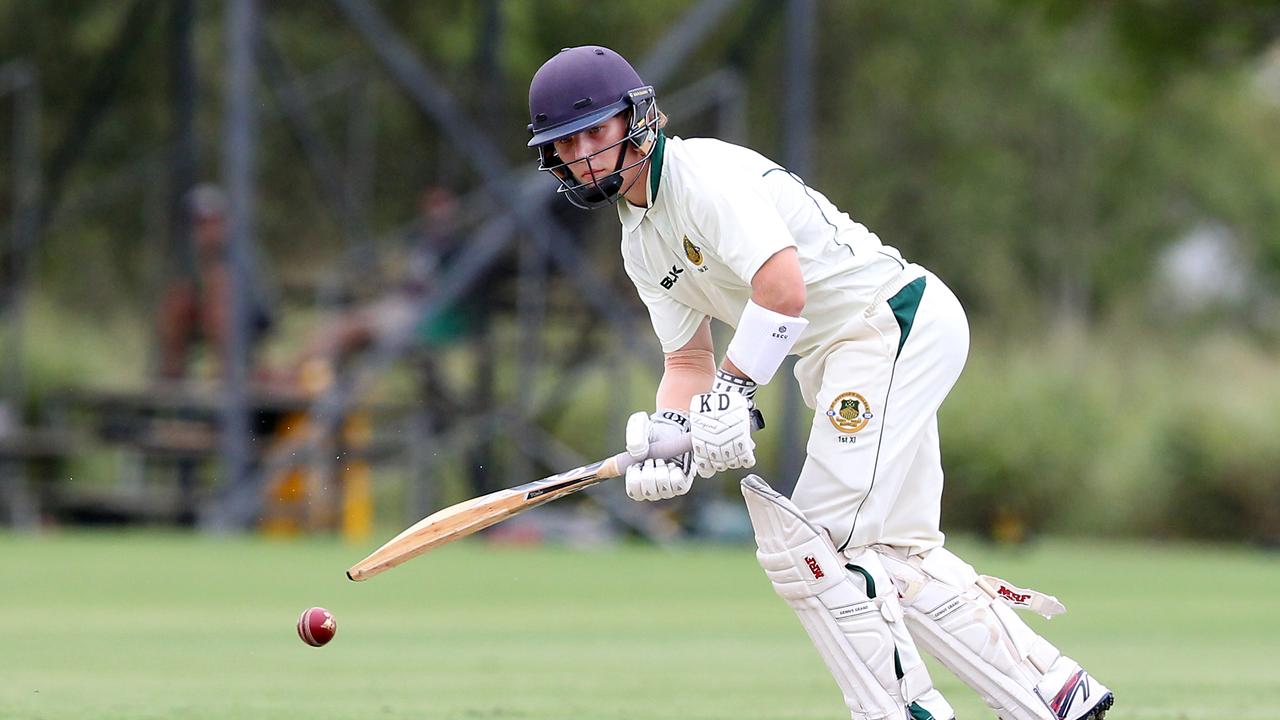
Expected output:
{"points": [[850, 630], [914, 680], [977, 637]]}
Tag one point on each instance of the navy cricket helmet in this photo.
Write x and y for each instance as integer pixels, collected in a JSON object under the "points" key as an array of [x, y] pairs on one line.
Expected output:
{"points": [[580, 88]]}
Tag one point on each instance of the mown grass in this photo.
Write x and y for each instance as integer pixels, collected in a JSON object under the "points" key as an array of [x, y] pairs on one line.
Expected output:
{"points": [[173, 626]]}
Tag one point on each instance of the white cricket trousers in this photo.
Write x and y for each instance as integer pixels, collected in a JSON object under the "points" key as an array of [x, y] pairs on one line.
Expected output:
{"points": [[874, 470]]}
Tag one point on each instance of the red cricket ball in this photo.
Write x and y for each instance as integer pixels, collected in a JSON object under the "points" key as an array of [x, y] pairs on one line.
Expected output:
{"points": [[316, 626]]}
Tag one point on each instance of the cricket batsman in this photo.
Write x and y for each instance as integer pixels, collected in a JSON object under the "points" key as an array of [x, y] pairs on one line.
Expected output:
{"points": [[713, 230]]}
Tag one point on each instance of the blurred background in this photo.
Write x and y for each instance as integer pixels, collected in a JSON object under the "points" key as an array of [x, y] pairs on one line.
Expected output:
{"points": [[288, 267]]}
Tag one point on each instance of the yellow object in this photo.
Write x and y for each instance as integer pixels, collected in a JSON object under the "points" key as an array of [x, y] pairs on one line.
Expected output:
{"points": [[357, 479], [357, 501], [299, 498]]}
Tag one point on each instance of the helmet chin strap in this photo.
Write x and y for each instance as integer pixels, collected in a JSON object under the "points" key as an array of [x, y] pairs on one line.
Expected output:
{"points": [[608, 188]]}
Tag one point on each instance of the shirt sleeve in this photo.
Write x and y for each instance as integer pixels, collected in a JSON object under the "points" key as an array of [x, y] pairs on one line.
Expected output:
{"points": [[673, 322], [739, 221]]}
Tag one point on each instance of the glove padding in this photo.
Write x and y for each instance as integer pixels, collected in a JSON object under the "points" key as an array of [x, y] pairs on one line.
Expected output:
{"points": [[721, 427], [657, 479]]}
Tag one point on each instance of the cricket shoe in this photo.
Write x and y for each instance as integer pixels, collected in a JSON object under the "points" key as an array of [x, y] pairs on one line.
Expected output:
{"points": [[1073, 694]]}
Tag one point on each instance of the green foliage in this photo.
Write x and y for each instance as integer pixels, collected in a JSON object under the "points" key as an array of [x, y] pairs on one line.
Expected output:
{"points": [[1115, 436], [64, 349], [1029, 152], [1164, 37], [1222, 448], [1028, 161], [1019, 437]]}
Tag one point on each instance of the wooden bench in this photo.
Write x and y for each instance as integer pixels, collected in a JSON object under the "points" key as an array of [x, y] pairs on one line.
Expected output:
{"points": [[30, 460]]}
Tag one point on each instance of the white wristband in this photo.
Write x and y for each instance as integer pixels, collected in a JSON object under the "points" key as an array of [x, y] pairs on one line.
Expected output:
{"points": [[763, 340]]}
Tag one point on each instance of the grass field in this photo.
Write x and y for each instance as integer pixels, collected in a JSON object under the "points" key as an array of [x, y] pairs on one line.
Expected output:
{"points": [[172, 626]]}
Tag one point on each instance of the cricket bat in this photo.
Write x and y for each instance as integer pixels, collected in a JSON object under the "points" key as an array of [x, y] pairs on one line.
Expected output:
{"points": [[470, 516]]}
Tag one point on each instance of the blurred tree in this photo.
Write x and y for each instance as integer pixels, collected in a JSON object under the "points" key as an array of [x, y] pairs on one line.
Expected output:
{"points": [[1011, 154], [1038, 154], [1165, 38]]}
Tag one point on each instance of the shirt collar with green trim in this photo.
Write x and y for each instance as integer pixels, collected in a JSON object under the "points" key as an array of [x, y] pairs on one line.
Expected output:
{"points": [[631, 215]]}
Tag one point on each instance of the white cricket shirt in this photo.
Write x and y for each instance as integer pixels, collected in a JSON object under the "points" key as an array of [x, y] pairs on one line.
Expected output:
{"points": [[716, 213]]}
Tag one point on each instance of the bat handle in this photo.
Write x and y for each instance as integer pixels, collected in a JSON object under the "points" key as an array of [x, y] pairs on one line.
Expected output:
{"points": [[675, 447], [665, 449]]}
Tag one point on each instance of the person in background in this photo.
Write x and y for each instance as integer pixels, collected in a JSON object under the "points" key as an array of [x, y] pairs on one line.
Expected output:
{"points": [[194, 308]]}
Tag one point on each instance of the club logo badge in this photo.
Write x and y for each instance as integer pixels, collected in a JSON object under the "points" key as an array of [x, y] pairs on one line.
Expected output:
{"points": [[849, 412], [693, 252]]}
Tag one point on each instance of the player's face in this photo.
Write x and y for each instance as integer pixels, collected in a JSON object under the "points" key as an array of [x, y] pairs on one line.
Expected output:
{"points": [[579, 151]]}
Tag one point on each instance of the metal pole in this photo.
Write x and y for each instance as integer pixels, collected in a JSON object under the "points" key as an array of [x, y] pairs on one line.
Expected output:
{"points": [[360, 148], [797, 130], [485, 157], [239, 150], [687, 32], [522, 196], [323, 160], [183, 154], [26, 234], [531, 312], [21, 77], [97, 98]]}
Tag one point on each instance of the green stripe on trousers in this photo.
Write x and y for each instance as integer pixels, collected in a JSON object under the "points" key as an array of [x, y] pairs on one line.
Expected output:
{"points": [[904, 305]]}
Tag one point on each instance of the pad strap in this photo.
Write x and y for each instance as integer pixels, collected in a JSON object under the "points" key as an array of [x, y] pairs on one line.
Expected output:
{"points": [[763, 340], [1046, 606], [972, 632]]}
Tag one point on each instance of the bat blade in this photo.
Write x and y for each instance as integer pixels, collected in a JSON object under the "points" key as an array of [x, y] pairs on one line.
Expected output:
{"points": [[471, 516]]}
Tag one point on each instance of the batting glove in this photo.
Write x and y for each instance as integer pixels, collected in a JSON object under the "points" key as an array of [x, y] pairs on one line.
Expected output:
{"points": [[657, 479], [721, 427]]}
